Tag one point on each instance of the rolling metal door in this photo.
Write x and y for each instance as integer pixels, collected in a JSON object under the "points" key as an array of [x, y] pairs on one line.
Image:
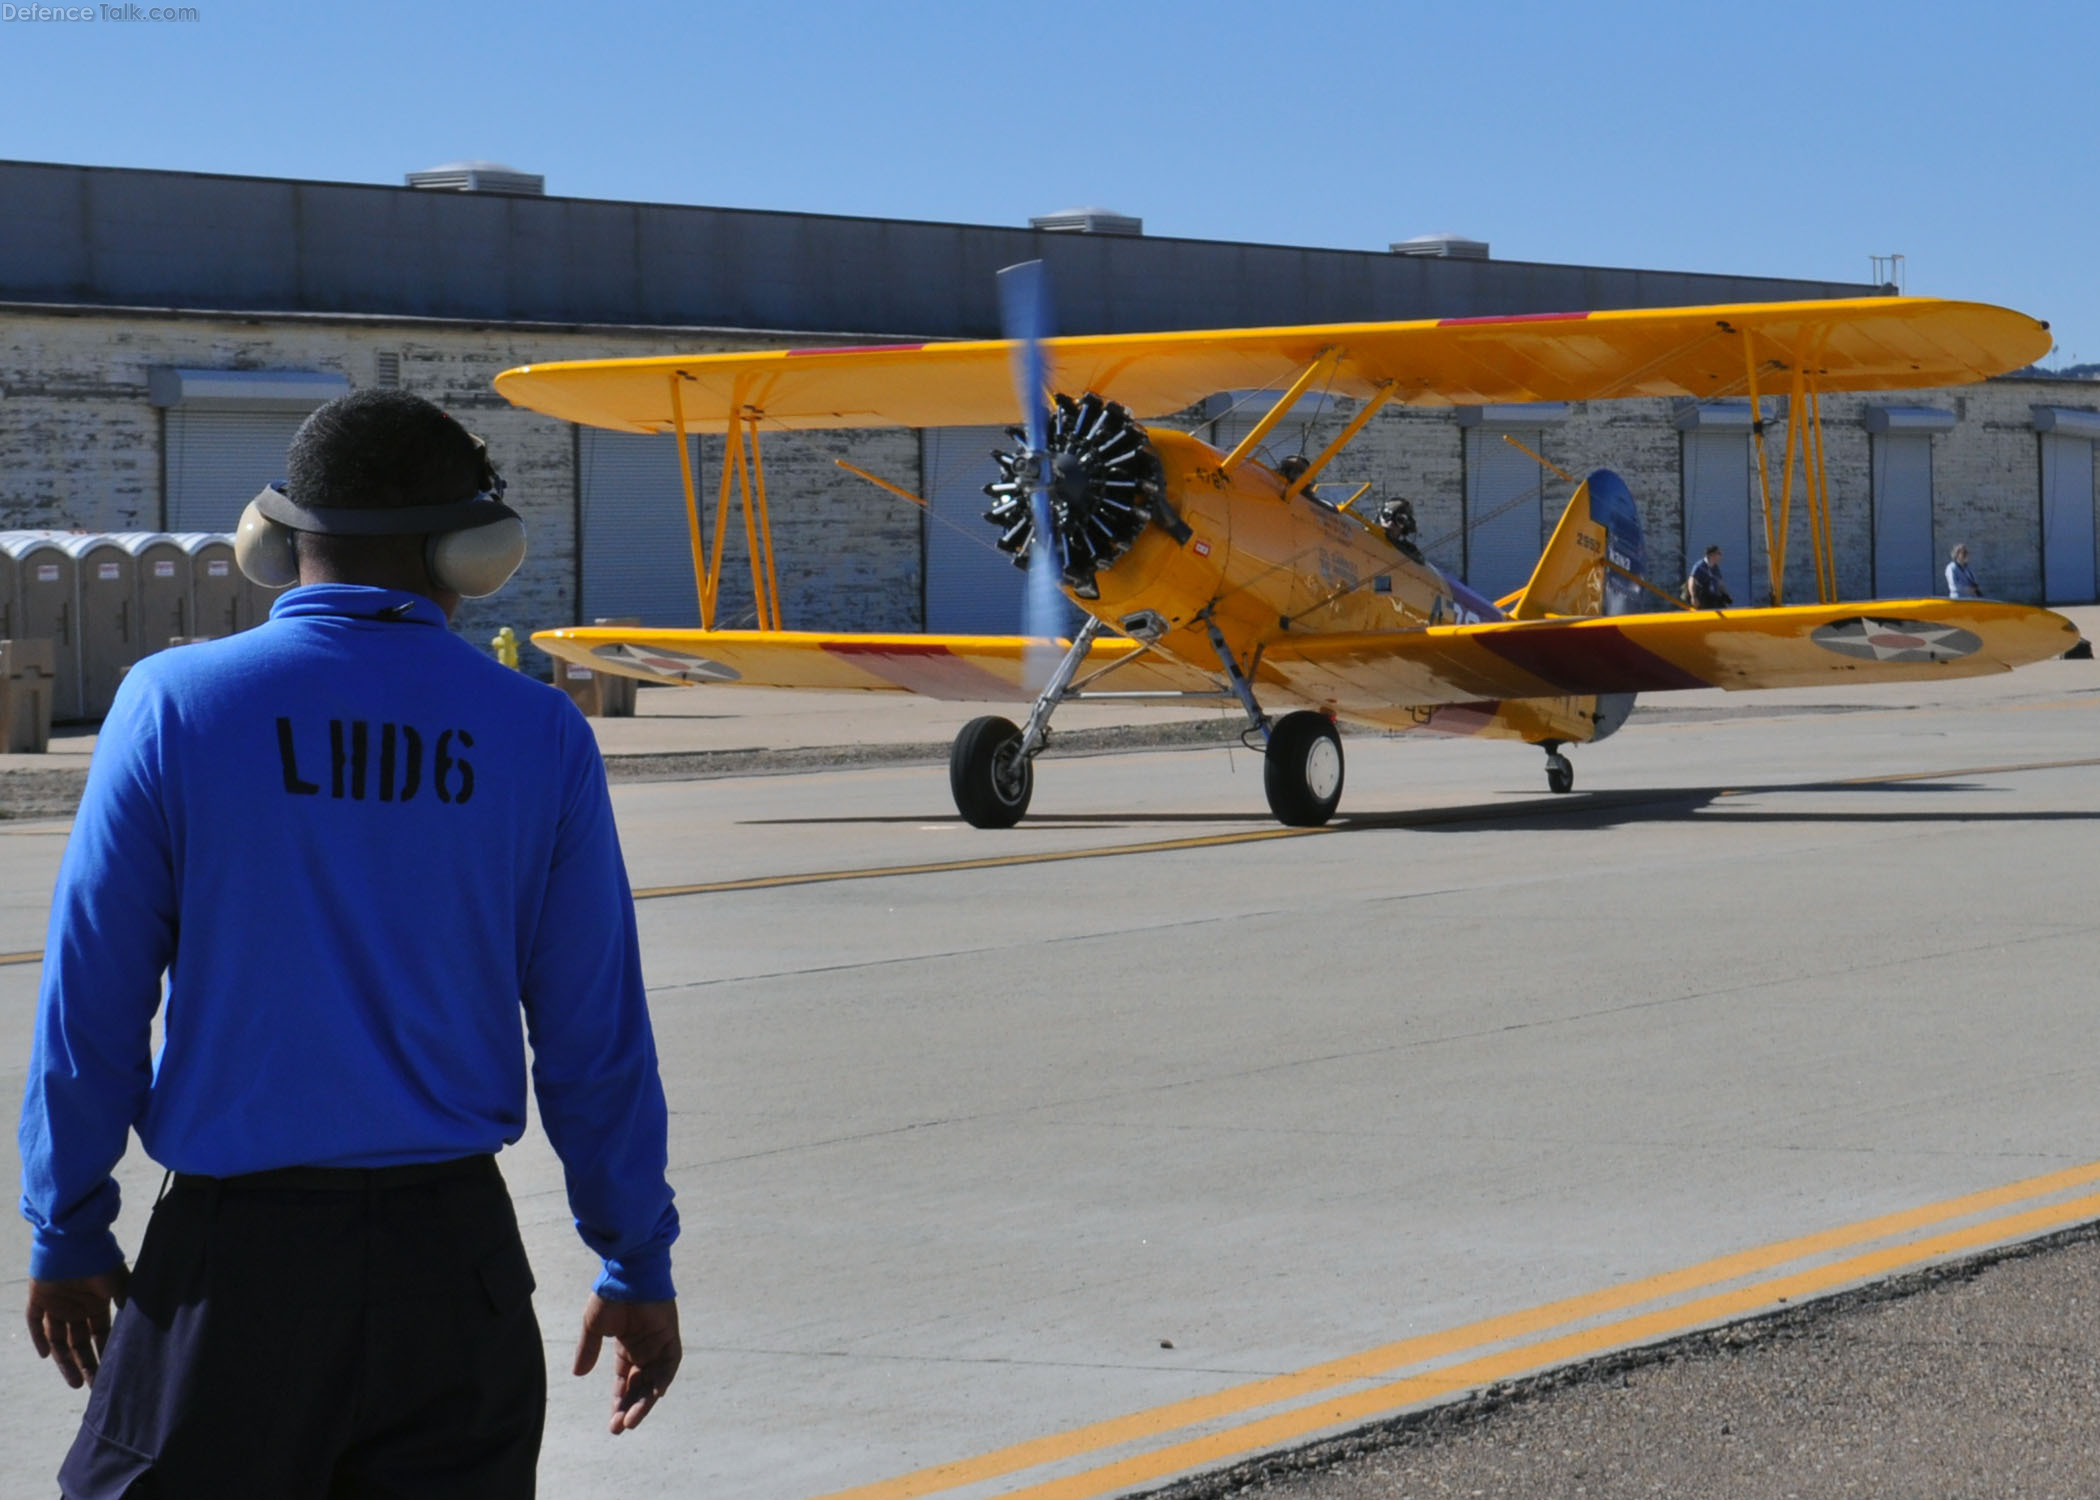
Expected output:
{"points": [[637, 549], [972, 588], [1505, 509], [1904, 555], [217, 460], [1717, 505], [2067, 519]]}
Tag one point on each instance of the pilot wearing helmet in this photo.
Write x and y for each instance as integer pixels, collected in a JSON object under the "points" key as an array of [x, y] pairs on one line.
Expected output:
{"points": [[387, 860]]}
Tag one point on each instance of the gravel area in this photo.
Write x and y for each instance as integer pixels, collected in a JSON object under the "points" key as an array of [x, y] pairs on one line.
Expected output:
{"points": [[1979, 1379]]}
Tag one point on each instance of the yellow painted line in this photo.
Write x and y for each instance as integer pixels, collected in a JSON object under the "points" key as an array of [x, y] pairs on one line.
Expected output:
{"points": [[1163, 1420], [988, 862], [1381, 1401], [21, 958]]}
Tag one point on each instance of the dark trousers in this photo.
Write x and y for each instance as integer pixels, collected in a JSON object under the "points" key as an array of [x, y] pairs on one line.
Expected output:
{"points": [[325, 1334]]}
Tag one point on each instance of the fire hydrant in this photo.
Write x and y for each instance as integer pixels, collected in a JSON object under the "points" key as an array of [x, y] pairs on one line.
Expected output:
{"points": [[505, 645]]}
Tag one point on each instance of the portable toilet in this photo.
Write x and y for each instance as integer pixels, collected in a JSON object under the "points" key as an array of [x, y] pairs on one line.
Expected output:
{"points": [[45, 608], [162, 569], [215, 583], [109, 617]]}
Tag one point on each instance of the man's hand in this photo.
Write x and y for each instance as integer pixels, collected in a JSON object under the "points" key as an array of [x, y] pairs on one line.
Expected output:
{"points": [[646, 1336], [69, 1322]]}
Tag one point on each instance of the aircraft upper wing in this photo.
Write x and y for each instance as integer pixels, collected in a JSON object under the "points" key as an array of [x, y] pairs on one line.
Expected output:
{"points": [[1794, 646], [1871, 343]]}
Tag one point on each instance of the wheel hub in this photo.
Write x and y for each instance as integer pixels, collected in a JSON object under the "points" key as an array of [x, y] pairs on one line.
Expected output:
{"points": [[1323, 768]]}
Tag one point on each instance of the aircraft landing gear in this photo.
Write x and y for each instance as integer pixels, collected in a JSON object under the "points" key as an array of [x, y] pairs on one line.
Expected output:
{"points": [[991, 766], [990, 777], [1302, 769], [1302, 759], [1560, 774]]}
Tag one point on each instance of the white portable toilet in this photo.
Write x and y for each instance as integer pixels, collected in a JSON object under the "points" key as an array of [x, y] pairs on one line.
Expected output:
{"points": [[46, 608], [161, 569], [107, 608], [215, 583]]}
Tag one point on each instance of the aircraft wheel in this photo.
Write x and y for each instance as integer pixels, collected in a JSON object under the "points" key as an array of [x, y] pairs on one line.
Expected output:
{"points": [[991, 779], [1560, 775], [1302, 771]]}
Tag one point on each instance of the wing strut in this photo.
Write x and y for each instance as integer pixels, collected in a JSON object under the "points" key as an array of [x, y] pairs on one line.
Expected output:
{"points": [[692, 504], [1324, 365], [1775, 550], [1342, 439], [744, 469]]}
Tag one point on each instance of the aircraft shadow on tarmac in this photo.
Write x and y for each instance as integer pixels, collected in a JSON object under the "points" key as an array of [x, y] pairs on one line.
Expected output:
{"points": [[1575, 810]]}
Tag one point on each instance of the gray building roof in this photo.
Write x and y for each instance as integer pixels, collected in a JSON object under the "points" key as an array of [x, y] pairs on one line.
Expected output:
{"points": [[117, 237]]}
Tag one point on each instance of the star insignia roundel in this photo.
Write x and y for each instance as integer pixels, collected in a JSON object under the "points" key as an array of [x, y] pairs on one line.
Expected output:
{"points": [[1870, 639], [669, 663]]}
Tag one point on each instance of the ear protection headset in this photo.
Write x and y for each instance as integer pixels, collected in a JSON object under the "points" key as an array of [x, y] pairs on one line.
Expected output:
{"points": [[473, 546]]}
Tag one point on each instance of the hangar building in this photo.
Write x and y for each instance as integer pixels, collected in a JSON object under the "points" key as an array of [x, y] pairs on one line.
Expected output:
{"points": [[163, 333]]}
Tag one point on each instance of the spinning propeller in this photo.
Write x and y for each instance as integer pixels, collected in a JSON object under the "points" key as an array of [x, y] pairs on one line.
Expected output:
{"points": [[1024, 313], [1082, 479]]}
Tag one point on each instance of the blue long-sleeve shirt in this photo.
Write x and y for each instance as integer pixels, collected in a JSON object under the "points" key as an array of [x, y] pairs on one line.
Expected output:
{"points": [[369, 862]]}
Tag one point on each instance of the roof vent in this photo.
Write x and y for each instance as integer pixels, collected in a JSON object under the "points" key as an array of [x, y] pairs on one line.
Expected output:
{"points": [[1443, 247], [1088, 221], [479, 177]]}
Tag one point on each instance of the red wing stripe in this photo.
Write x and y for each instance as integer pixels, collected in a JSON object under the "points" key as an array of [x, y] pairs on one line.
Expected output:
{"points": [[1596, 659], [928, 668]]}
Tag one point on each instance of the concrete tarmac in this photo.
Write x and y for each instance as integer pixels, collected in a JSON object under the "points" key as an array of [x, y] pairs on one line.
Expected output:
{"points": [[1144, 1136]]}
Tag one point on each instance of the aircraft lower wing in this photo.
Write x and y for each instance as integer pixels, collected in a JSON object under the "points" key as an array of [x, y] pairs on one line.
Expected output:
{"points": [[962, 668], [1796, 646]]}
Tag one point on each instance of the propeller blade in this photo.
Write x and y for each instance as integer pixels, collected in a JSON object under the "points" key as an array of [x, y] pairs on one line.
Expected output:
{"points": [[1024, 315]]}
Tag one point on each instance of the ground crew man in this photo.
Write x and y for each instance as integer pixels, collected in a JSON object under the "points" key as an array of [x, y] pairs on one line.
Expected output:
{"points": [[1705, 588], [369, 862]]}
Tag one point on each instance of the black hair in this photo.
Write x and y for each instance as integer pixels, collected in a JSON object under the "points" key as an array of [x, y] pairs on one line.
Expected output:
{"points": [[381, 450]]}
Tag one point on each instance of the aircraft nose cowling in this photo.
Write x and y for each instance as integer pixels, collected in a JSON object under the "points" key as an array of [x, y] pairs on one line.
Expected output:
{"points": [[1104, 480]]}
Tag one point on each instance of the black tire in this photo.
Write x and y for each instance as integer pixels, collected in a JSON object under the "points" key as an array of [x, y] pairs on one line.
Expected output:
{"points": [[1560, 774], [1302, 771], [991, 781]]}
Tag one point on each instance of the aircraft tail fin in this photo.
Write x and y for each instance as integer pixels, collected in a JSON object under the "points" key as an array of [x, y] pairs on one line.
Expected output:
{"points": [[1600, 525]]}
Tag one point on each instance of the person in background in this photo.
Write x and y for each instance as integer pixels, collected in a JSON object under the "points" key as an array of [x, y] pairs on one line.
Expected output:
{"points": [[1704, 589], [1961, 583]]}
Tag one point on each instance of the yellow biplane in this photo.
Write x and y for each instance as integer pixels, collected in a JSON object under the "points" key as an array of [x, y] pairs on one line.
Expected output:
{"points": [[1205, 574]]}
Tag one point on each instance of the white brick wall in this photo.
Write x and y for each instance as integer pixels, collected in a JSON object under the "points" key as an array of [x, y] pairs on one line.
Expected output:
{"points": [[80, 446]]}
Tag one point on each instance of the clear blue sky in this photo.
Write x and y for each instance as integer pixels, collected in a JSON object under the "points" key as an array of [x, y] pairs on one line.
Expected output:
{"points": [[1761, 138]]}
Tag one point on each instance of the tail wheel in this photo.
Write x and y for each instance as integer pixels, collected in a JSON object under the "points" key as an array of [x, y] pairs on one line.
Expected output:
{"points": [[990, 777], [1302, 771], [1560, 775]]}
